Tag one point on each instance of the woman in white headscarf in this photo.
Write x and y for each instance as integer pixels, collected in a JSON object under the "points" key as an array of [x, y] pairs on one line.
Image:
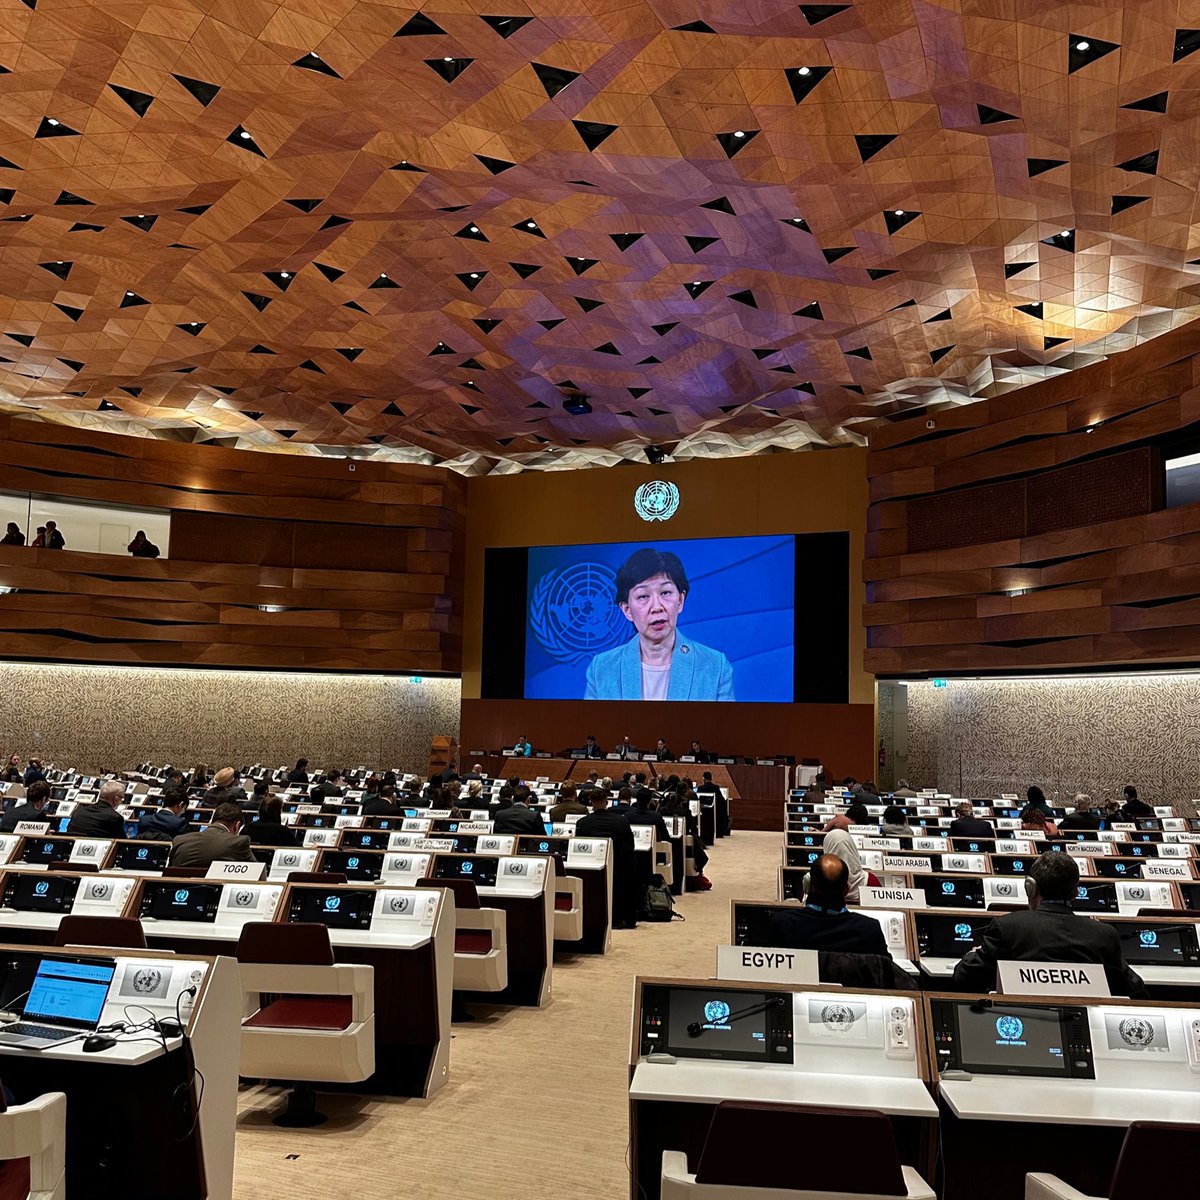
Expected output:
{"points": [[839, 843]]}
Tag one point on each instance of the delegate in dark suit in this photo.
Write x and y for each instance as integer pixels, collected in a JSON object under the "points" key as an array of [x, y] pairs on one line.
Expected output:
{"points": [[517, 818], [215, 844], [627, 892], [1052, 932], [271, 833], [971, 827], [97, 819], [817, 928], [559, 812], [24, 812]]}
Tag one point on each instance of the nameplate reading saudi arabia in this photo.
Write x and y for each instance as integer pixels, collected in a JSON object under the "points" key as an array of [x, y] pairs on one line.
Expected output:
{"points": [[891, 897], [765, 964], [1051, 979], [906, 862]]}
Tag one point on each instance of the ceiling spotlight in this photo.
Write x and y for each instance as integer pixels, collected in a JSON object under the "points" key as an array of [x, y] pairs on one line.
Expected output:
{"points": [[1081, 46], [474, 228], [314, 54], [695, 283], [1064, 233], [51, 121], [804, 70], [530, 224], [245, 134], [270, 608], [470, 383], [739, 133], [382, 274], [655, 455], [195, 323], [899, 212], [474, 274], [796, 220], [7, 591], [129, 293], [1090, 429], [283, 275], [447, 59]]}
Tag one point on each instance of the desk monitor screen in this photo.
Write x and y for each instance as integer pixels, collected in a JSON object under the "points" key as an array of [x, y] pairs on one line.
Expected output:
{"points": [[1190, 894], [360, 866], [482, 868], [39, 850], [365, 839], [41, 893], [1011, 864], [793, 882], [141, 856], [173, 900], [548, 845], [952, 891], [750, 922], [339, 908], [802, 856], [1117, 868], [1095, 897], [1159, 945], [948, 935], [986, 1038], [60, 824], [692, 1021]]}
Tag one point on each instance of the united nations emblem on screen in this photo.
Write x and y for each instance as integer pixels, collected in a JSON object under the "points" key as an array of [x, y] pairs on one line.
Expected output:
{"points": [[572, 614], [656, 501]]}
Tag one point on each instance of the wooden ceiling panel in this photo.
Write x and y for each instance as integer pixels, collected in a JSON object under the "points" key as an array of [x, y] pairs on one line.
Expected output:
{"points": [[358, 229]]}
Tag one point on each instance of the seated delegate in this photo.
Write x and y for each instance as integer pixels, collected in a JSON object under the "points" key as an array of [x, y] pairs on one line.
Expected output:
{"points": [[825, 923], [220, 842], [1049, 932]]}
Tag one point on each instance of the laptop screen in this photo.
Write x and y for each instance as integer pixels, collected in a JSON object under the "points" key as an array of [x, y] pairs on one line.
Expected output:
{"points": [[70, 993]]}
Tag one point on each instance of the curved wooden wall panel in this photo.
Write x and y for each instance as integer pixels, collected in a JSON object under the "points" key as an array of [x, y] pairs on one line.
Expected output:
{"points": [[364, 559], [1009, 537]]}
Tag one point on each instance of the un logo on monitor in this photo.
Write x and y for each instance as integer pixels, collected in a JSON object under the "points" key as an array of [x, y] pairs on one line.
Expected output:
{"points": [[716, 1012], [572, 613], [656, 501], [1009, 1028], [40, 889], [1148, 937], [181, 896]]}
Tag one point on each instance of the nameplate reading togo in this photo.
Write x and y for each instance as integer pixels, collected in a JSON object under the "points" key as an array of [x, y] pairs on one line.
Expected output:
{"points": [[906, 862], [236, 870], [766, 963], [1051, 979], [890, 897]]}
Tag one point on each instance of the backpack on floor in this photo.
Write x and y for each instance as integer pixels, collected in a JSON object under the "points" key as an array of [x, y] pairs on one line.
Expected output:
{"points": [[660, 904]]}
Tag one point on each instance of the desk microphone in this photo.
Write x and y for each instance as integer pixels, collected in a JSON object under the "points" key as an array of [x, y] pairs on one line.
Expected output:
{"points": [[696, 1028]]}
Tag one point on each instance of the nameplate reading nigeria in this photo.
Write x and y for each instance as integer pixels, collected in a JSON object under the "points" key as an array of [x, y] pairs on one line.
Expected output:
{"points": [[767, 964], [890, 897], [1051, 979]]}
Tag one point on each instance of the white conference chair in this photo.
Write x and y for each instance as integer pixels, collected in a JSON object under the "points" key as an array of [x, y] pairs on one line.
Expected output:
{"points": [[37, 1131]]}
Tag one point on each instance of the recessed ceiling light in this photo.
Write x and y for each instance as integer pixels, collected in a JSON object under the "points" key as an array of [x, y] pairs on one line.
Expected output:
{"points": [[474, 228], [1064, 233], [195, 323], [129, 293], [51, 121], [1083, 45], [474, 274], [739, 133], [447, 59], [530, 224], [283, 274], [1090, 429], [382, 274], [314, 54], [245, 134], [804, 71], [695, 283], [899, 212]]}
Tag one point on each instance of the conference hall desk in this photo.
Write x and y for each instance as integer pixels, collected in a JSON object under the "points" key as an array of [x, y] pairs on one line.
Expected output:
{"points": [[132, 1127], [1145, 1057], [412, 951], [852, 1049]]}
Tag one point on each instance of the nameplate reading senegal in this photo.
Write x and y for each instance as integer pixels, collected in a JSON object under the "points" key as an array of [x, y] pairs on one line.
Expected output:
{"points": [[890, 897], [1051, 979], [767, 964], [1166, 870]]}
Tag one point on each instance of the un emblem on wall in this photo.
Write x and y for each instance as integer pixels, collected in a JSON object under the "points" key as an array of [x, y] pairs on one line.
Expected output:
{"points": [[572, 613], [656, 501]]}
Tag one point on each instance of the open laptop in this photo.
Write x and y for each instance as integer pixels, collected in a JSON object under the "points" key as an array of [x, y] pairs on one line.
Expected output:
{"points": [[65, 1001]]}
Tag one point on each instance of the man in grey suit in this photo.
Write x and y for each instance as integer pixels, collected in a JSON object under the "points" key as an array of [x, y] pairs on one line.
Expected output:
{"points": [[1049, 932], [218, 843]]}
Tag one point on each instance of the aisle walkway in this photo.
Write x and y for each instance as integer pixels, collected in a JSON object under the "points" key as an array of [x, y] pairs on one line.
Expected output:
{"points": [[536, 1101]]}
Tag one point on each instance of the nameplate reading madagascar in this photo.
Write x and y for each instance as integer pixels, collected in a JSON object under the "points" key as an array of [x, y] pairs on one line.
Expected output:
{"points": [[1051, 979], [767, 964], [890, 897]]}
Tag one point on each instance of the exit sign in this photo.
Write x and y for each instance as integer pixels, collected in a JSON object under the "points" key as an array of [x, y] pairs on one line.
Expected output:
{"points": [[941, 683]]}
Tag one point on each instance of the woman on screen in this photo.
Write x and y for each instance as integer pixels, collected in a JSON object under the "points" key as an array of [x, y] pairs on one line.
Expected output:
{"points": [[659, 662]]}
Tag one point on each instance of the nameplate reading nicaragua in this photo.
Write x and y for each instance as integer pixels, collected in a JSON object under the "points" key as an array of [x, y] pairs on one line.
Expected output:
{"points": [[1051, 979], [759, 963]]}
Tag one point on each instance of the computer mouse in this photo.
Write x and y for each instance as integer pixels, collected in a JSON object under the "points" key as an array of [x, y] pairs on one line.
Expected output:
{"points": [[97, 1042]]}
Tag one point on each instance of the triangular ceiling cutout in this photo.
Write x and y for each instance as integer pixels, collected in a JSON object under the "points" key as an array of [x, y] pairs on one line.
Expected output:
{"points": [[52, 127], [993, 116], [811, 312], [814, 14], [1121, 203], [836, 252], [312, 61], [736, 141], [696, 244], [350, 353], [330, 273], [870, 144], [592, 133], [139, 101], [745, 297], [1156, 103], [940, 353], [495, 165], [553, 79], [623, 241], [506, 26], [418, 25], [449, 68], [1144, 164], [802, 80], [525, 269], [242, 138], [897, 218], [1048, 343], [880, 272], [944, 315], [206, 93], [1039, 166], [1187, 41], [1033, 309], [1083, 50], [693, 27], [720, 204], [665, 328], [487, 324], [859, 352], [1011, 269]]}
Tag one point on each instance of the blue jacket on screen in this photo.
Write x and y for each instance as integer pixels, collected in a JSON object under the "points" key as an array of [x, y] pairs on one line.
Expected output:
{"points": [[697, 673]]}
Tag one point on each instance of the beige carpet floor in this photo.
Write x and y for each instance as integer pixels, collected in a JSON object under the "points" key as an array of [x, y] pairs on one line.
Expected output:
{"points": [[535, 1105]]}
